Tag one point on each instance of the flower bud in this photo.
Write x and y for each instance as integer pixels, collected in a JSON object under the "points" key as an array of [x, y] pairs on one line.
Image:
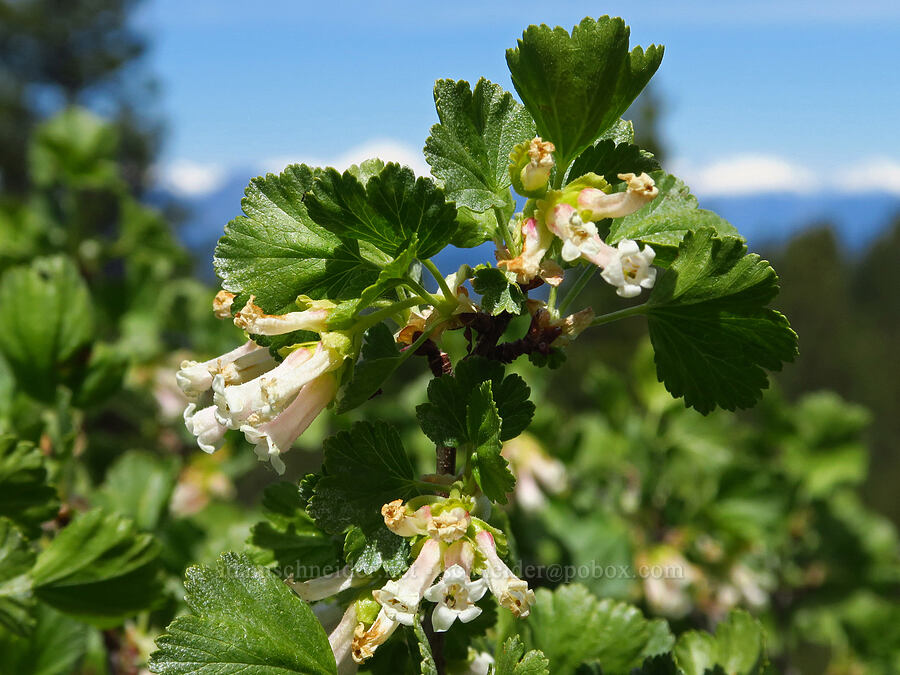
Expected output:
{"points": [[400, 520], [535, 175]]}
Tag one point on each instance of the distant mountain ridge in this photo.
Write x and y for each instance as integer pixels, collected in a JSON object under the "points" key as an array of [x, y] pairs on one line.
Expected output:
{"points": [[767, 220]]}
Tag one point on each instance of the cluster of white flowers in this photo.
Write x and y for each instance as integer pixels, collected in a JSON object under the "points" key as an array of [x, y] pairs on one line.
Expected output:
{"points": [[449, 542], [571, 216], [271, 403]]}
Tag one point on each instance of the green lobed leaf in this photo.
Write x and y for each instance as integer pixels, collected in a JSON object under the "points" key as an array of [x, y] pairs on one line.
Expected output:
{"points": [[343, 499], [664, 221], [443, 416], [378, 549], [498, 292], [712, 334], [55, 646], [469, 149], [16, 558], [51, 322], [390, 276], [99, 569], [512, 660], [577, 86], [243, 619], [295, 543], [489, 468], [738, 647], [380, 358], [393, 211], [139, 485], [473, 228], [276, 252], [428, 666], [608, 159], [573, 627], [25, 497]]}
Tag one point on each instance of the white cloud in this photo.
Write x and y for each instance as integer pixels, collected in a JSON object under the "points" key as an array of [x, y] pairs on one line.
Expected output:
{"points": [[748, 174], [187, 178], [384, 148], [878, 174]]}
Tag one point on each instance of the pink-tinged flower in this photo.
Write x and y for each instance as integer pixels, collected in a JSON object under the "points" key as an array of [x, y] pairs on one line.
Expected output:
{"points": [[260, 399], [400, 520], [629, 269], [276, 436], [205, 427], [596, 204], [449, 525], [246, 362], [222, 304], [365, 642], [626, 267], [341, 641], [253, 320], [328, 585], [455, 595], [536, 241], [400, 599], [510, 591], [536, 174], [580, 239], [460, 553]]}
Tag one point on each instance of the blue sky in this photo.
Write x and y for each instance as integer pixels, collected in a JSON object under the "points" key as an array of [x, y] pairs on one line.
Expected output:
{"points": [[768, 93]]}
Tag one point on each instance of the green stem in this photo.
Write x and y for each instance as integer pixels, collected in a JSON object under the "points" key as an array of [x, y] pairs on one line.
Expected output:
{"points": [[621, 314], [508, 240], [436, 273], [551, 300], [426, 297], [369, 320], [587, 272]]}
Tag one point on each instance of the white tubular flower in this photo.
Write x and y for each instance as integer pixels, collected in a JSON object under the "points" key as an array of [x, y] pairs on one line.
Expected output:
{"points": [[328, 585], [536, 240], [196, 378], [400, 520], [264, 397], [536, 174], [580, 239], [598, 205], [341, 641], [629, 269], [276, 436], [449, 525], [365, 642], [253, 320], [205, 427], [510, 591], [222, 304], [400, 599], [455, 595]]}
